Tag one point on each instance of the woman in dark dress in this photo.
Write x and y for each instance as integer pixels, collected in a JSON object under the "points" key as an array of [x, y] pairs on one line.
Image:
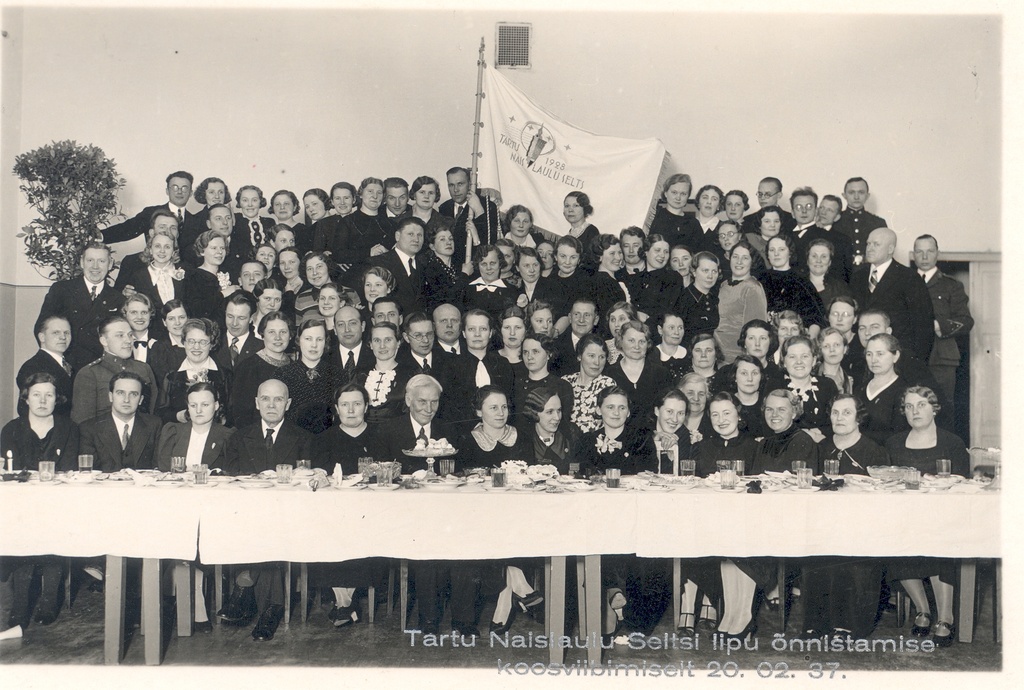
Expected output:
{"points": [[33, 437], [799, 356], [670, 352], [269, 299], [277, 330], [832, 346], [643, 379], [204, 288], [488, 291], [385, 382], [607, 285], [424, 193], [162, 277], [785, 289], [545, 424], [168, 352], [345, 443], [284, 205], [745, 380], [919, 448], [533, 287], [576, 209], [318, 268], [364, 234], [671, 220], [443, 281], [819, 262], [726, 440], [787, 442], [311, 379], [201, 338], [841, 594], [537, 351], [290, 276], [882, 394], [491, 442], [659, 285], [695, 388], [571, 281]]}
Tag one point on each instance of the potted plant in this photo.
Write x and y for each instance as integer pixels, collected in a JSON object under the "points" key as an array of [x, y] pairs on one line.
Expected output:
{"points": [[74, 188]]}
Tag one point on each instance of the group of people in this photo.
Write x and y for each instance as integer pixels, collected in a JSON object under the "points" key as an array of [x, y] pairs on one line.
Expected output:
{"points": [[242, 341]]}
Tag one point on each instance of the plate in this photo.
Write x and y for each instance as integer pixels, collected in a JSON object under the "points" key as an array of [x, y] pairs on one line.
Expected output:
{"points": [[384, 487], [440, 486], [168, 484], [656, 487], [488, 487], [730, 491], [256, 484], [804, 489], [428, 453]]}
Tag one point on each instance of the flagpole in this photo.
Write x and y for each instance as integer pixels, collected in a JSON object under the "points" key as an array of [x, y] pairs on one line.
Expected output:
{"points": [[477, 125]]}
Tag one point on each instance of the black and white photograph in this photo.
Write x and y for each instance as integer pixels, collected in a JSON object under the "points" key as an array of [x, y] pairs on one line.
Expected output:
{"points": [[506, 343]]}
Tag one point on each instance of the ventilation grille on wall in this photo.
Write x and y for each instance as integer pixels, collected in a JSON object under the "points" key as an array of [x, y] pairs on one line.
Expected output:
{"points": [[513, 46]]}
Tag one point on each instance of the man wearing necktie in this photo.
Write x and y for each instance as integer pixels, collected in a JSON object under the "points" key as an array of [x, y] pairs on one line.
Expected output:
{"points": [[53, 334], [421, 356], [179, 191], [465, 206], [403, 263], [884, 284], [261, 446], [122, 437], [352, 356]]}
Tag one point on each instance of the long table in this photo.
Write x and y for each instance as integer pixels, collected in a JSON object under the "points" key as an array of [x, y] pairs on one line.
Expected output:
{"points": [[226, 524]]}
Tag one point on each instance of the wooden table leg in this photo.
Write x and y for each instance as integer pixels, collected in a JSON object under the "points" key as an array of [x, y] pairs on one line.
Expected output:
{"points": [[968, 580], [594, 608], [677, 592], [113, 609], [554, 605], [581, 597], [997, 603], [183, 586], [218, 592], [151, 610]]}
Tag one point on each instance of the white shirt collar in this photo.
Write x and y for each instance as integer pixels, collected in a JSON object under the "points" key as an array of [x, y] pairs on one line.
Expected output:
{"points": [[241, 338], [416, 428], [928, 275], [880, 270], [276, 428], [404, 257], [58, 357], [208, 364], [119, 425], [89, 285], [480, 281], [344, 352]]}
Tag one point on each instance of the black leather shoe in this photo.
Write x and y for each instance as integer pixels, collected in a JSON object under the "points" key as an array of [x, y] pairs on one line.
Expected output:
{"points": [[268, 621], [203, 627], [47, 611], [237, 610], [502, 628], [344, 615], [922, 624], [532, 605]]}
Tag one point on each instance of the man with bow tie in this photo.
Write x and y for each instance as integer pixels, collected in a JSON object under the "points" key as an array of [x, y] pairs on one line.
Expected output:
{"points": [[138, 310]]}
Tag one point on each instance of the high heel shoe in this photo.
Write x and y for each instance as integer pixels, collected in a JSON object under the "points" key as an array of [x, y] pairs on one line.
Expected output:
{"points": [[922, 624], [502, 628], [708, 619], [532, 605], [946, 639], [683, 629]]}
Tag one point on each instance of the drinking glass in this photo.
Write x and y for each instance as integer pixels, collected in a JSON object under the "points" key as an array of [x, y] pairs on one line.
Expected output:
{"points": [[47, 470], [447, 466], [201, 473], [797, 465], [284, 474], [942, 467], [831, 468], [727, 479], [612, 478], [739, 467], [498, 477], [668, 461], [177, 464], [687, 468], [364, 463], [85, 463], [804, 477], [912, 479]]}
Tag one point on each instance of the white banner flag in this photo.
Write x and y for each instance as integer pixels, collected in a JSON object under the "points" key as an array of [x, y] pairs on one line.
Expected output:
{"points": [[535, 159]]}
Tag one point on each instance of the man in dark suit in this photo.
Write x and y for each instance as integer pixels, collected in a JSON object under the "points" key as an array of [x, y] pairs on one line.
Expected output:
{"points": [[477, 366], [124, 438], [401, 261], [422, 396], [448, 329], [162, 220], [85, 301], [808, 232], [262, 446], [582, 321], [396, 197], [179, 191], [239, 341], [53, 334], [352, 356], [769, 193], [952, 319], [421, 356], [465, 206], [855, 222], [887, 285]]}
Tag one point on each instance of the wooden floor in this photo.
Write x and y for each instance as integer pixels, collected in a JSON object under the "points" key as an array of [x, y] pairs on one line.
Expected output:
{"points": [[77, 639]]}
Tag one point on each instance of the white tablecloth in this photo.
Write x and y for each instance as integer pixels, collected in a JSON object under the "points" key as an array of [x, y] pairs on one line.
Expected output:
{"points": [[235, 525], [99, 519]]}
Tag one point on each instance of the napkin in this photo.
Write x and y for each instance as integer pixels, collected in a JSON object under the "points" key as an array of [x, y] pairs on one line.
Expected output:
{"points": [[141, 479]]}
